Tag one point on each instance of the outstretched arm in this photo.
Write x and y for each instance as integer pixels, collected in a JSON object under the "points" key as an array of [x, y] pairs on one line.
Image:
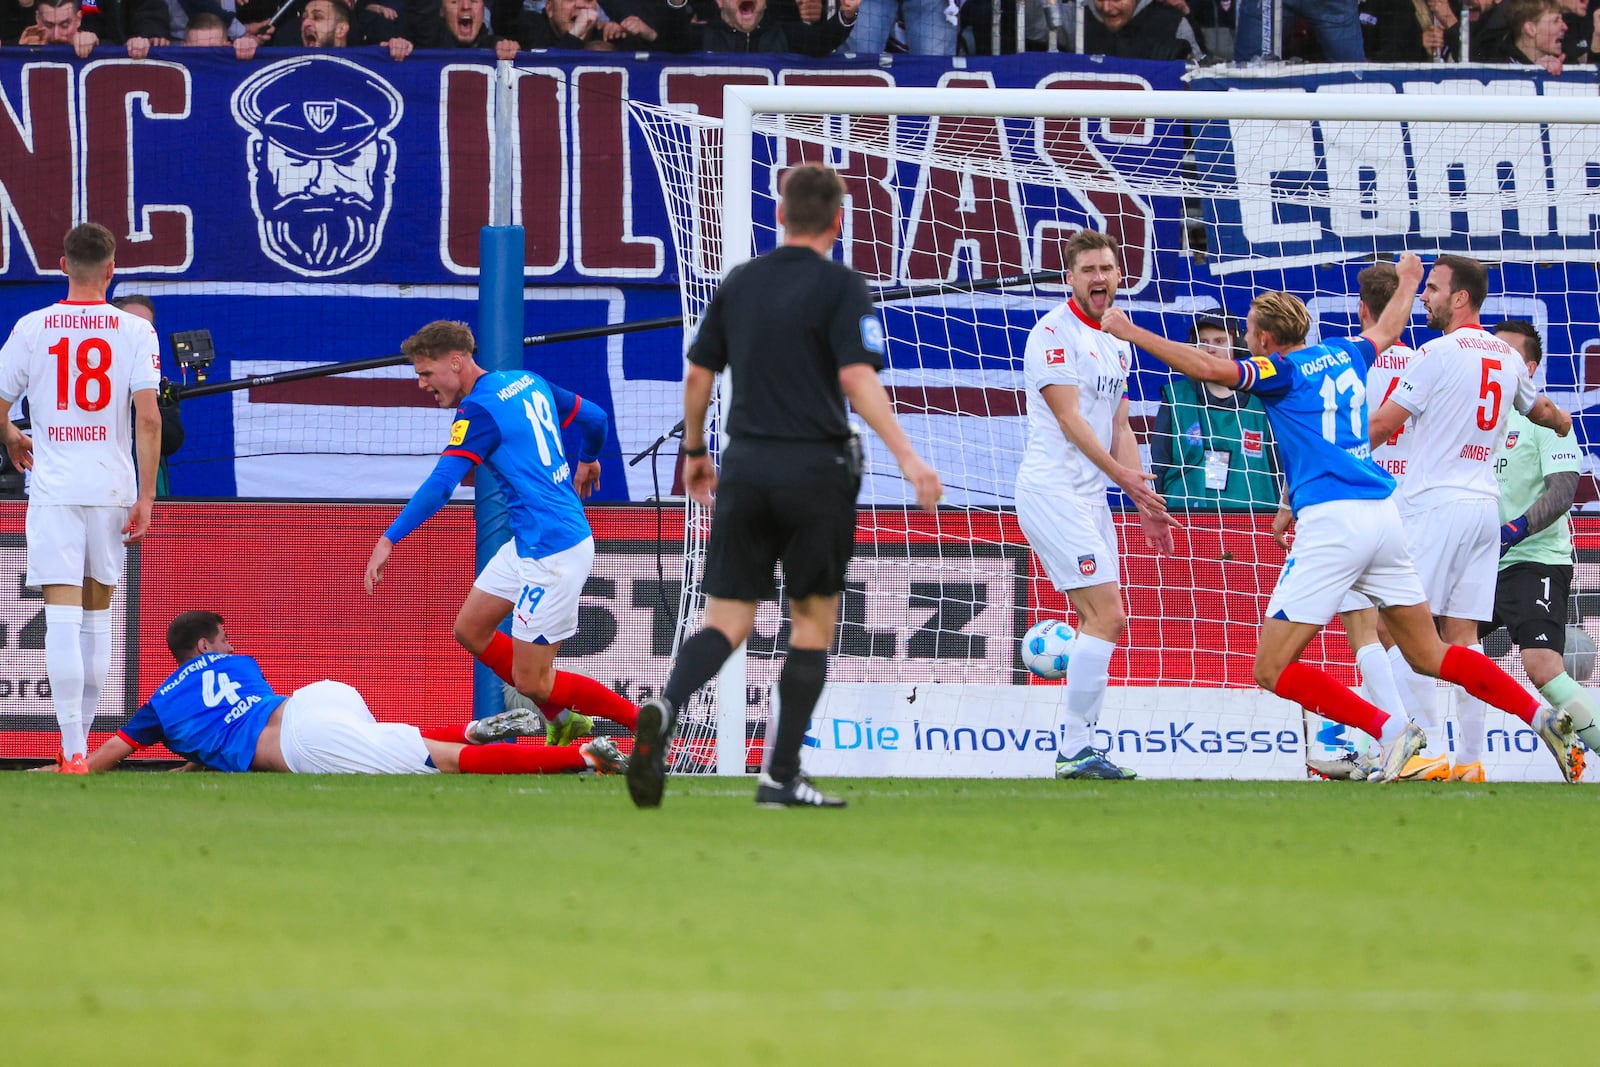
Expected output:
{"points": [[110, 752], [1185, 359], [430, 496], [1547, 413], [1396, 315]]}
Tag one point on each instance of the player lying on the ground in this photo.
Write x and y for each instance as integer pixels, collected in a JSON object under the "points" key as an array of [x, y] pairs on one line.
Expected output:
{"points": [[511, 422], [1350, 534], [218, 711]]}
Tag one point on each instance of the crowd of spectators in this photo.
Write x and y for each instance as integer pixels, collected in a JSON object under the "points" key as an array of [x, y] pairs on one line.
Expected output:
{"points": [[1544, 33]]}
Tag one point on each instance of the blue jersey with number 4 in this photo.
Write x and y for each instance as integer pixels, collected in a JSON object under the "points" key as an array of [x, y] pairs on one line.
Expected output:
{"points": [[1316, 401], [512, 422], [210, 710]]}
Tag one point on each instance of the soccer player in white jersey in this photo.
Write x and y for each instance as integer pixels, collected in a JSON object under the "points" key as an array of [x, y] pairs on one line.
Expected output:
{"points": [[1079, 439], [1349, 529], [1457, 394], [78, 362]]}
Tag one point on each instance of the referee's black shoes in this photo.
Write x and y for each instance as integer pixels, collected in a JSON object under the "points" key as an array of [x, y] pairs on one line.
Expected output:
{"points": [[799, 793], [647, 767]]}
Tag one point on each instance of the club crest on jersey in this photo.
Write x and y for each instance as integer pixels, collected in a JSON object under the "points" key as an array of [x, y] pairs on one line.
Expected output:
{"points": [[1511, 439], [1264, 367], [1086, 565], [1054, 357], [458, 431]]}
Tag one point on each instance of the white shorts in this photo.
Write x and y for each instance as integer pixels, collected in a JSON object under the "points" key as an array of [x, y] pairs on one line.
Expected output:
{"points": [[543, 592], [1074, 538], [1340, 546], [70, 542], [1456, 547], [328, 729]]}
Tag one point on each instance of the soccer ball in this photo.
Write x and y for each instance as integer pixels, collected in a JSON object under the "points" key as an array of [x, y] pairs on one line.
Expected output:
{"points": [[1046, 647]]}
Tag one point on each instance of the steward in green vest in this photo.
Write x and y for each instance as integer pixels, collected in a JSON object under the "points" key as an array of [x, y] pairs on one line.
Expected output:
{"points": [[1210, 447]]}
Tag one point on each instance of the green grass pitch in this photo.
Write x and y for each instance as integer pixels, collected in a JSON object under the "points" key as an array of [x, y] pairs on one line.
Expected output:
{"points": [[211, 919]]}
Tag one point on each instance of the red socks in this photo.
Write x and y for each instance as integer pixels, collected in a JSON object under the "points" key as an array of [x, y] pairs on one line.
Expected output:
{"points": [[1478, 675], [593, 699], [1317, 691], [570, 690], [456, 735], [521, 759]]}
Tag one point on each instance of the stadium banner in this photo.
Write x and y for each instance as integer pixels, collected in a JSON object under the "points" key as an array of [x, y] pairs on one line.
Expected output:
{"points": [[941, 608]]}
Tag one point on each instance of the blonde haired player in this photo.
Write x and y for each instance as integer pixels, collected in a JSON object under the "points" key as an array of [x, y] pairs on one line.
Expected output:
{"points": [[78, 362], [1079, 439], [1458, 394], [1350, 534]]}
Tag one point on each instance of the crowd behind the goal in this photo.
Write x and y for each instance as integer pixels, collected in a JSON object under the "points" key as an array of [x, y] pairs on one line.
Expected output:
{"points": [[1549, 34]]}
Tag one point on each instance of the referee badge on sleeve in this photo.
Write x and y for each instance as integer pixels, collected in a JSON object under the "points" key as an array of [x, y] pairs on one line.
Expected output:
{"points": [[872, 334]]}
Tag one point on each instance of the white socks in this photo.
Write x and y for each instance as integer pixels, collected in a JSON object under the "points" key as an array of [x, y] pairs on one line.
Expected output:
{"points": [[1419, 694], [1088, 673], [1469, 722], [63, 655], [1377, 678], [96, 645]]}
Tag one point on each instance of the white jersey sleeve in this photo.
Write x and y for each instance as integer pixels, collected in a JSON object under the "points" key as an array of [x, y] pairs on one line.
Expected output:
{"points": [[1527, 394], [13, 367]]}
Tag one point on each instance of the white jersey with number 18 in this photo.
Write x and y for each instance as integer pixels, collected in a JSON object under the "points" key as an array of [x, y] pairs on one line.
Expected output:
{"points": [[1460, 389], [79, 364]]}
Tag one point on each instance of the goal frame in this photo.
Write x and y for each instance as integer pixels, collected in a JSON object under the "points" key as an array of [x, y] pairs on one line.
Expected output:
{"points": [[742, 103]]}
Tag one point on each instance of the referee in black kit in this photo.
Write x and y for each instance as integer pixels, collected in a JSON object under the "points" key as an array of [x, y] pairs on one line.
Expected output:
{"points": [[799, 332]]}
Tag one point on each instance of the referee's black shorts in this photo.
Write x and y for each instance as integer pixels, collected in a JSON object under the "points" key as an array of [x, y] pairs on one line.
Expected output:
{"points": [[1530, 601], [793, 501]]}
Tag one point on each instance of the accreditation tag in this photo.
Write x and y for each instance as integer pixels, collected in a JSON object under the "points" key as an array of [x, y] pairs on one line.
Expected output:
{"points": [[1217, 464]]}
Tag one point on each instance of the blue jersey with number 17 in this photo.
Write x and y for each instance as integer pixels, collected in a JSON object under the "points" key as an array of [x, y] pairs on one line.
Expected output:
{"points": [[511, 421], [1316, 401]]}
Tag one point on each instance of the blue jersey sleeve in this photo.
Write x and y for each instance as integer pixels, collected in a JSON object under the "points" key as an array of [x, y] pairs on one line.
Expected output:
{"points": [[592, 420], [474, 435], [1360, 348], [143, 729], [1265, 375], [431, 495]]}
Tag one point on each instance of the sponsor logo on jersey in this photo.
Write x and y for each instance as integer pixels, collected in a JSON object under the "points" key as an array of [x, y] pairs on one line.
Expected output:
{"points": [[1054, 357], [1264, 367], [872, 334], [458, 431], [1086, 565], [1252, 441], [1511, 440]]}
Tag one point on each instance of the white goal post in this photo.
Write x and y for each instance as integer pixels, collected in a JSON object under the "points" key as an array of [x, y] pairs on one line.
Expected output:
{"points": [[1386, 171]]}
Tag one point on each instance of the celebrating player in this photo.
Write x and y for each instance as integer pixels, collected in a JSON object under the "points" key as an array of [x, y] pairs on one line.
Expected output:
{"points": [[1349, 529], [217, 711], [1457, 395], [512, 421], [79, 361], [1078, 439]]}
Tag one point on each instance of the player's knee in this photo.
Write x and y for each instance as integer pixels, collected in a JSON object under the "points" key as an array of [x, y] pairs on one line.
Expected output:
{"points": [[469, 638], [533, 683], [1266, 675]]}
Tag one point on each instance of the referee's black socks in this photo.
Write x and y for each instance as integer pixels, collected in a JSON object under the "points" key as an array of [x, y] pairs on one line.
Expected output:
{"points": [[799, 687], [699, 660]]}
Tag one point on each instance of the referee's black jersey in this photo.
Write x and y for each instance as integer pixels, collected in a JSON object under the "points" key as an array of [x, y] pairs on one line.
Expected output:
{"points": [[785, 323]]}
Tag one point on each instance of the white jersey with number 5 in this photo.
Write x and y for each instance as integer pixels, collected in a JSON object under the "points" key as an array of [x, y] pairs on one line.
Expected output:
{"points": [[1460, 390], [1382, 379], [79, 364], [1066, 347]]}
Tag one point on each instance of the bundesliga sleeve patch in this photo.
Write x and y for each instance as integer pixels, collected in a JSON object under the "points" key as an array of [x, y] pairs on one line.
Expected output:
{"points": [[1264, 367], [458, 431], [872, 334]]}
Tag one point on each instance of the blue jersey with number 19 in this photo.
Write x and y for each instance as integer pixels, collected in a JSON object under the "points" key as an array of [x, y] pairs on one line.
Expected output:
{"points": [[511, 421], [1316, 401]]}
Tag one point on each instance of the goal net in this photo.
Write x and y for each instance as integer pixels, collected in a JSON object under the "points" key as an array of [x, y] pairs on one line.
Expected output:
{"points": [[960, 202]]}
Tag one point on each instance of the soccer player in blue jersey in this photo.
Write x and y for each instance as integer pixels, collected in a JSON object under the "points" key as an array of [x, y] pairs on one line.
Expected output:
{"points": [[511, 421], [1349, 532], [218, 711]]}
